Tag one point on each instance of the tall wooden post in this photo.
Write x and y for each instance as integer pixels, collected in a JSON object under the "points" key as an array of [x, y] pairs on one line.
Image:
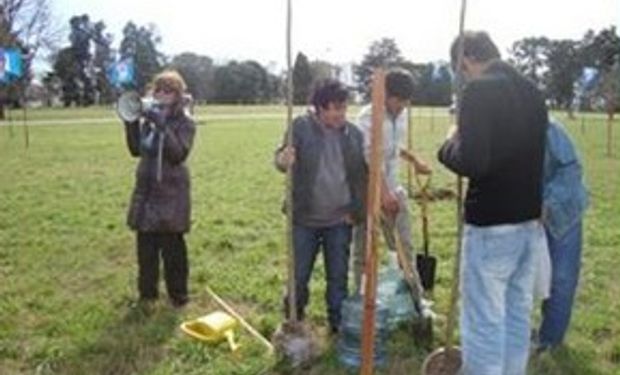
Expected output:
{"points": [[451, 322], [292, 293], [369, 279], [410, 149]]}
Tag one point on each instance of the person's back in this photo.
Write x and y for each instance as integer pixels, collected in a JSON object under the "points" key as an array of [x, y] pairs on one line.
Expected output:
{"points": [[499, 145], [510, 119], [564, 204], [565, 197]]}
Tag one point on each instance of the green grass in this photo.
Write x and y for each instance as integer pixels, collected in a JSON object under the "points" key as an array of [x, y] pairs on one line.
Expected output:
{"points": [[67, 262]]}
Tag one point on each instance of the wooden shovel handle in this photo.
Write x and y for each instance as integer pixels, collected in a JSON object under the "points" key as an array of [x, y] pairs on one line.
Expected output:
{"points": [[240, 319]]}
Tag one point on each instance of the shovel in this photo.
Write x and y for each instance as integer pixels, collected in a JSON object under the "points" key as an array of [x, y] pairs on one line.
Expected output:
{"points": [[448, 359], [426, 263], [423, 326]]}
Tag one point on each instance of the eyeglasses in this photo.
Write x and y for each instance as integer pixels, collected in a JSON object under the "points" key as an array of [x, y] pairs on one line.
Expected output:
{"points": [[164, 90]]}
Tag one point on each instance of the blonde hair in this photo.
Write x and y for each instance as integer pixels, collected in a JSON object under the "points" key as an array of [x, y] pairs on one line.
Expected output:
{"points": [[170, 80]]}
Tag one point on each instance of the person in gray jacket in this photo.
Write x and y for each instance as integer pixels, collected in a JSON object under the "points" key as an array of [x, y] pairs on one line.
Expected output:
{"points": [[159, 211], [329, 184]]}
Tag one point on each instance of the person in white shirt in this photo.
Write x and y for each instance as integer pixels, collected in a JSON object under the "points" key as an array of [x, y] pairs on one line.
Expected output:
{"points": [[399, 89]]}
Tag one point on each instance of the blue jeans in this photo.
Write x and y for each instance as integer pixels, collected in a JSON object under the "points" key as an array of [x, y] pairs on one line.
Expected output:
{"points": [[565, 264], [335, 242], [497, 281]]}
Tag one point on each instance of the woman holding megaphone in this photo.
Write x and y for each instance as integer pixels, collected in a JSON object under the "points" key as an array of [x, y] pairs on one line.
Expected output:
{"points": [[161, 136]]}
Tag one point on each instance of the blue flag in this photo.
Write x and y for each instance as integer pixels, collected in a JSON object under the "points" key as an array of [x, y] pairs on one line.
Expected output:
{"points": [[589, 78], [11, 65], [122, 73]]}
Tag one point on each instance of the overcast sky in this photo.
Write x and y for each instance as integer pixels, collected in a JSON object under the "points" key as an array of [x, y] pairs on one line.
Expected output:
{"points": [[339, 30]]}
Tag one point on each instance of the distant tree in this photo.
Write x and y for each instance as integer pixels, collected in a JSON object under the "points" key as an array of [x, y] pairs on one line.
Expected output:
{"points": [[383, 52], [302, 79], [52, 87], [80, 38], [432, 83], [141, 44], [441, 87], [198, 71], [81, 72], [564, 66], [29, 23], [29, 26], [242, 83], [528, 56], [322, 69], [67, 69], [104, 56], [274, 90], [422, 78], [603, 50]]}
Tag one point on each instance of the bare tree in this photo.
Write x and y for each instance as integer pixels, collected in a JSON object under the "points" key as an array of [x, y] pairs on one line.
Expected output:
{"points": [[29, 26]]}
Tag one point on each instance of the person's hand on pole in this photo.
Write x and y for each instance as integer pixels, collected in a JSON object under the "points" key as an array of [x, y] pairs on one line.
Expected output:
{"points": [[286, 157]]}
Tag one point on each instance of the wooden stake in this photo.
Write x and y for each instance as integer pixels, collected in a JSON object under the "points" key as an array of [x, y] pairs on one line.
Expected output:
{"points": [[611, 107], [410, 149], [610, 120], [25, 122], [454, 292], [369, 278], [292, 293]]}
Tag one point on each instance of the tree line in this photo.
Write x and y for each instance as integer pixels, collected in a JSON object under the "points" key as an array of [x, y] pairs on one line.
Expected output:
{"points": [[78, 74]]}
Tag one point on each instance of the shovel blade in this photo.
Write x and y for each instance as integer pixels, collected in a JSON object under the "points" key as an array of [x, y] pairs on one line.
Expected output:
{"points": [[427, 266]]}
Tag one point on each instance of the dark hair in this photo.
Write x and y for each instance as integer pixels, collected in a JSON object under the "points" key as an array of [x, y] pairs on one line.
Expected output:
{"points": [[477, 45], [328, 91], [399, 83]]}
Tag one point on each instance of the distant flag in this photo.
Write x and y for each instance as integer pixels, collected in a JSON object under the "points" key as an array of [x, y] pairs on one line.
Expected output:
{"points": [[11, 65], [122, 73], [589, 78], [440, 69], [436, 75]]}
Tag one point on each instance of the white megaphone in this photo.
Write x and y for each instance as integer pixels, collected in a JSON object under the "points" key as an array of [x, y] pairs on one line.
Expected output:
{"points": [[130, 106]]}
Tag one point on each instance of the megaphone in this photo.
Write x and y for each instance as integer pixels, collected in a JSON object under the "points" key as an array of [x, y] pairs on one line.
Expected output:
{"points": [[130, 106]]}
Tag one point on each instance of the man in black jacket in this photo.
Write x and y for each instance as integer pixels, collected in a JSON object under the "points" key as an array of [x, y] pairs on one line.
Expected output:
{"points": [[329, 183], [498, 145]]}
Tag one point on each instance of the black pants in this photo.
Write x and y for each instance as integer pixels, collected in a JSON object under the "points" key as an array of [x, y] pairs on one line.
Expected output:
{"points": [[173, 250]]}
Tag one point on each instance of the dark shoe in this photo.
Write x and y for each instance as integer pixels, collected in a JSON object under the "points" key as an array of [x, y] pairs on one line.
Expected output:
{"points": [[179, 302], [334, 331]]}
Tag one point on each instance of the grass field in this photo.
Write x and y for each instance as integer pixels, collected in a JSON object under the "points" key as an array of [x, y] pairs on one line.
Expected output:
{"points": [[67, 260]]}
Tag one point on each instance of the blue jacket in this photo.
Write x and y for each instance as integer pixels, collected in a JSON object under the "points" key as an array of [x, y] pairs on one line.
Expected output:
{"points": [[565, 197]]}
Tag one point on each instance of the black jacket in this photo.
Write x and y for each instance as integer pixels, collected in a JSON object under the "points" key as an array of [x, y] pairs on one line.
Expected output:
{"points": [[164, 206], [499, 146]]}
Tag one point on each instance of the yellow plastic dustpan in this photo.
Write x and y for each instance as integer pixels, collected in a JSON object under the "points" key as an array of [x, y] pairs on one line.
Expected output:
{"points": [[213, 328]]}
